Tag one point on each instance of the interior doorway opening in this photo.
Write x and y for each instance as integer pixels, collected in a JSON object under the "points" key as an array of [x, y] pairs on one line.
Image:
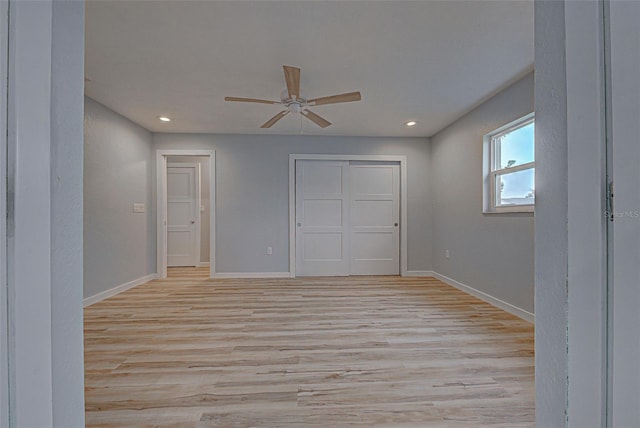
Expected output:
{"points": [[186, 209]]}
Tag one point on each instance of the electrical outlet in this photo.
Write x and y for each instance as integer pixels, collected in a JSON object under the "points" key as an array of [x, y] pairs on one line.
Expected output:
{"points": [[269, 250], [446, 254], [138, 208]]}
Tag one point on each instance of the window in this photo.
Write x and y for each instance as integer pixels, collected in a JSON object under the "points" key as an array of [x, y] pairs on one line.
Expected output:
{"points": [[510, 167]]}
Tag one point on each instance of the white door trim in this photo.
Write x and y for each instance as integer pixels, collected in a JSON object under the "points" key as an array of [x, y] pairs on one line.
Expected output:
{"points": [[622, 67], [586, 174], [4, 296], [198, 202], [161, 206], [380, 158]]}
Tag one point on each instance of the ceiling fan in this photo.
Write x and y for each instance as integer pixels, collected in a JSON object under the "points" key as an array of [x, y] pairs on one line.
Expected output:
{"points": [[294, 102]]}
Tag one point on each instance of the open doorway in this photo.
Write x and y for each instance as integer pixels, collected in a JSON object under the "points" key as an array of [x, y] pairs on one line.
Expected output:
{"points": [[185, 206]]}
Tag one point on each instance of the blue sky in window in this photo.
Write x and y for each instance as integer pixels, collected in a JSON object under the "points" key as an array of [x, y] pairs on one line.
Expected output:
{"points": [[517, 148]]}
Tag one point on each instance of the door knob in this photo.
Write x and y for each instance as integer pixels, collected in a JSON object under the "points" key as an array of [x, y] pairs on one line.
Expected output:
{"points": [[193, 222], [299, 224], [395, 224]]}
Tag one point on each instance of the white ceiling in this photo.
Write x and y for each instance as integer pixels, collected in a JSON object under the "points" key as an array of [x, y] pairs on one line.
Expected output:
{"points": [[430, 61]]}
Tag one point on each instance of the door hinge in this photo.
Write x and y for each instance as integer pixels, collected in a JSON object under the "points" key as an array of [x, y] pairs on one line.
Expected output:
{"points": [[610, 212]]}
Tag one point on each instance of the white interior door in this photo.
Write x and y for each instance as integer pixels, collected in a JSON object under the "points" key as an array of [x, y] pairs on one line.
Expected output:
{"points": [[375, 218], [182, 214], [624, 333], [322, 218]]}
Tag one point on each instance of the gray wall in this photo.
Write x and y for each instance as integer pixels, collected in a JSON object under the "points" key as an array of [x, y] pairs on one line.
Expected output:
{"points": [[204, 200], [119, 245], [252, 192], [67, 110], [551, 215], [493, 253]]}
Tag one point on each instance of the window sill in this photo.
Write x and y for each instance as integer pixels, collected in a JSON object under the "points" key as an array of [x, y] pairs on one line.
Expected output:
{"points": [[527, 209]]}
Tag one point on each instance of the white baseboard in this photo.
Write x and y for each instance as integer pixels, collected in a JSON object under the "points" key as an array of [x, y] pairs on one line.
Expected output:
{"points": [[118, 289], [419, 273], [223, 275], [203, 264], [520, 313]]}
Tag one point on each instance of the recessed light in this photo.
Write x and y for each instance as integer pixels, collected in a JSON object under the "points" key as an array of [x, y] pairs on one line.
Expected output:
{"points": [[164, 118], [410, 123]]}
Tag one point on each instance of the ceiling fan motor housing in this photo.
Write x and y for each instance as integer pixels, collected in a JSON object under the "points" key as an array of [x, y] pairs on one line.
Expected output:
{"points": [[293, 105]]}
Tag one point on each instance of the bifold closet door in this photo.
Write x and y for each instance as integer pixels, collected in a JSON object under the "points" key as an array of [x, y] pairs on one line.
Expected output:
{"points": [[322, 218], [375, 218]]}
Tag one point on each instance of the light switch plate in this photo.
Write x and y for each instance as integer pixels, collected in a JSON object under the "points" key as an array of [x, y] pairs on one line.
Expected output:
{"points": [[138, 208]]}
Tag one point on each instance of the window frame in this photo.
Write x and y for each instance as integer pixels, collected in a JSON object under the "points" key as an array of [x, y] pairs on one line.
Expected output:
{"points": [[491, 173]]}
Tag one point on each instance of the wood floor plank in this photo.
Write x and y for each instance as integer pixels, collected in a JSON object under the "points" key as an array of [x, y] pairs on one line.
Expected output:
{"points": [[190, 351]]}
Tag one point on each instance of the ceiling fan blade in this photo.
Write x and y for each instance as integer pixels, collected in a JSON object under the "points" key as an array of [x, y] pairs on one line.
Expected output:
{"points": [[321, 122], [292, 77], [269, 123], [250, 100], [335, 99]]}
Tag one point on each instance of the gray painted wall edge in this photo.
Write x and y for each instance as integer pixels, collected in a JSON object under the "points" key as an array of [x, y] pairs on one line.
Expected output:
{"points": [[551, 215], [67, 213], [45, 224]]}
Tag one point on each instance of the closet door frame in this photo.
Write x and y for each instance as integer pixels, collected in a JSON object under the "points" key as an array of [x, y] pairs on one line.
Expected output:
{"points": [[401, 159], [622, 61]]}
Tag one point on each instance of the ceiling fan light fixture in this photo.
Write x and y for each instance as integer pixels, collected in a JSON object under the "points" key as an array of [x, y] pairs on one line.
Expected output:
{"points": [[411, 123], [164, 118], [294, 108]]}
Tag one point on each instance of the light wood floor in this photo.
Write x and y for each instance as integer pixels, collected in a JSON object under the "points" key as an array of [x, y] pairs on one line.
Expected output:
{"points": [[360, 351]]}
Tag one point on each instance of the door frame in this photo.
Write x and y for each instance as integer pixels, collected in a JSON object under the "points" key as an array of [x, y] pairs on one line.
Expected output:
{"points": [[198, 185], [402, 159], [621, 64], [586, 283], [570, 225], [161, 205], [4, 290]]}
